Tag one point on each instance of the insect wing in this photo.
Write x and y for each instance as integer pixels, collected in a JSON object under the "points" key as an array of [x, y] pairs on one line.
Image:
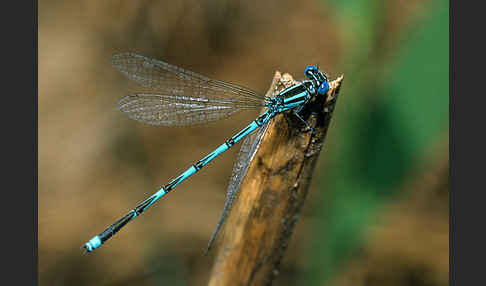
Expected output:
{"points": [[169, 110], [240, 168], [172, 80]]}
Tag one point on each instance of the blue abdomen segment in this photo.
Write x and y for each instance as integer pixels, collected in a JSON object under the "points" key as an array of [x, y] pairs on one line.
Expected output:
{"points": [[93, 243], [245, 131]]}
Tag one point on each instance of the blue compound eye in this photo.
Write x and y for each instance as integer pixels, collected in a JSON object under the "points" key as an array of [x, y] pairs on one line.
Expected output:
{"points": [[323, 88], [310, 68]]}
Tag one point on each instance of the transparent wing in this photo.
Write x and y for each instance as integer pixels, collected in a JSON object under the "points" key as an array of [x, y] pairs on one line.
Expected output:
{"points": [[172, 80], [240, 168], [169, 110]]}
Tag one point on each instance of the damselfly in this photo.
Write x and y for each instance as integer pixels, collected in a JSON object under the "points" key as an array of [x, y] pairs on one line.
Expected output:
{"points": [[181, 97]]}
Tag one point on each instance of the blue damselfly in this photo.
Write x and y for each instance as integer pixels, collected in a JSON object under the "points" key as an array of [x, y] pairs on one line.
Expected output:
{"points": [[181, 97]]}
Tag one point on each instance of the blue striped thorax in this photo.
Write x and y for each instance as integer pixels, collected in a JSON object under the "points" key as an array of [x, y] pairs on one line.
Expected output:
{"points": [[299, 94], [296, 95]]}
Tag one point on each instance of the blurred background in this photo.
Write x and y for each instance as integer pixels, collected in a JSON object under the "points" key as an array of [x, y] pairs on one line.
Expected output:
{"points": [[378, 209]]}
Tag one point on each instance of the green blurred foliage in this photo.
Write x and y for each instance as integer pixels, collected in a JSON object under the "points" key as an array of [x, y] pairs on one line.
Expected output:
{"points": [[393, 109]]}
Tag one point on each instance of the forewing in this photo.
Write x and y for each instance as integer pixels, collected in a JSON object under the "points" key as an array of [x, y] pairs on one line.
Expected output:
{"points": [[240, 168], [172, 80]]}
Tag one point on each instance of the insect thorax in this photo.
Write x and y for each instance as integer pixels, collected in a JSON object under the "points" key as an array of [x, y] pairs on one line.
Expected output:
{"points": [[296, 95]]}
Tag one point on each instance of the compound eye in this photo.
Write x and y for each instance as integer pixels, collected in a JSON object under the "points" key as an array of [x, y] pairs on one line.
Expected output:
{"points": [[323, 88], [310, 69]]}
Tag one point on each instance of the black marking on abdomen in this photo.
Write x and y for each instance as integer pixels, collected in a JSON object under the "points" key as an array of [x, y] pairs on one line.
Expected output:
{"points": [[198, 165], [243, 131], [140, 208], [173, 183], [201, 163], [260, 119], [230, 142]]}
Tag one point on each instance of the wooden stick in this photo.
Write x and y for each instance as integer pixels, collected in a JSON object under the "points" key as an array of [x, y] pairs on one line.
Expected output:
{"points": [[271, 195]]}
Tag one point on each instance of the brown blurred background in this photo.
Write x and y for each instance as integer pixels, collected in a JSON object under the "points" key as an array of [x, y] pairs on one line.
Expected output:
{"points": [[377, 212]]}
